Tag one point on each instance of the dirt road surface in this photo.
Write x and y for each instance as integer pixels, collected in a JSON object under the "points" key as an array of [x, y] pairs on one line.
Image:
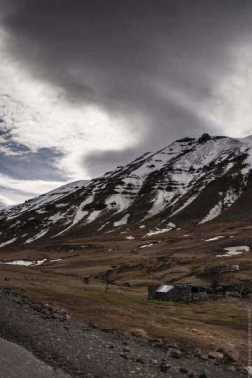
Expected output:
{"points": [[16, 362]]}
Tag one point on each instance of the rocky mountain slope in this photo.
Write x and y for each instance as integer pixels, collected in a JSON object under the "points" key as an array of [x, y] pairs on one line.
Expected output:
{"points": [[190, 181]]}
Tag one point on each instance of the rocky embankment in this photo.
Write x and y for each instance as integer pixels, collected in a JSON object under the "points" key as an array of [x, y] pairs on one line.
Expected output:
{"points": [[81, 350]]}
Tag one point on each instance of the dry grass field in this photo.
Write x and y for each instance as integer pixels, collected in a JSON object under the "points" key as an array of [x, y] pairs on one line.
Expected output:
{"points": [[75, 281]]}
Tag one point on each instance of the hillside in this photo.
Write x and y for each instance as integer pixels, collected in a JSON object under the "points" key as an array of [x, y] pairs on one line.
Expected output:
{"points": [[191, 181]]}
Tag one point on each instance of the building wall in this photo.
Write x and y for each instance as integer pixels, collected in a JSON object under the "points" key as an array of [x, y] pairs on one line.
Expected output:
{"points": [[181, 293]]}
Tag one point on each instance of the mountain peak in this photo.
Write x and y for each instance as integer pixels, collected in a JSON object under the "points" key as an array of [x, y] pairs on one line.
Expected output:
{"points": [[204, 138]]}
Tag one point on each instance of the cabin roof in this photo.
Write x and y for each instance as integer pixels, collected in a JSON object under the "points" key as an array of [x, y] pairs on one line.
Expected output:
{"points": [[164, 288]]}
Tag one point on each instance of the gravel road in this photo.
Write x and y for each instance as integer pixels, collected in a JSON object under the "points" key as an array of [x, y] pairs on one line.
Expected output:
{"points": [[16, 362]]}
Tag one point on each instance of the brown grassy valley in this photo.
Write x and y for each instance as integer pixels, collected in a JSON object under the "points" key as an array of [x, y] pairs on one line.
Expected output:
{"points": [[76, 281]]}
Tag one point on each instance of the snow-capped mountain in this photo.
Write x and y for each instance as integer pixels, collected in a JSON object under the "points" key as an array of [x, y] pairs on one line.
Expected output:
{"points": [[190, 181]]}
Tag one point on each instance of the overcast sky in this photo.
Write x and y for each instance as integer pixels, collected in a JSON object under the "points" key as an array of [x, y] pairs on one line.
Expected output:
{"points": [[89, 85]]}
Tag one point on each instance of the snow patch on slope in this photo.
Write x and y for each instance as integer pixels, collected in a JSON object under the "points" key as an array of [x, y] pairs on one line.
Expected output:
{"points": [[37, 236], [122, 221], [215, 238], [146, 245], [160, 201], [235, 251], [186, 204], [118, 202], [93, 216], [171, 226], [213, 213], [8, 242], [230, 197], [56, 217], [80, 213]]}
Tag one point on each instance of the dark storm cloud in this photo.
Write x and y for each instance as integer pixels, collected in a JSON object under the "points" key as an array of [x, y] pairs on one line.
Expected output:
{"points": [[99, 162], [119, 53]]}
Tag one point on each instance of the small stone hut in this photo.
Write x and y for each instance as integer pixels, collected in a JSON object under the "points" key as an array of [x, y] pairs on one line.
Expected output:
{"points": [[177, 292]]}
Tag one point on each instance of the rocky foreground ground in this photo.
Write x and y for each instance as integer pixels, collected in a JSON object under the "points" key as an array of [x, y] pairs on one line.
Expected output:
{"points": [[81, 350]]}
